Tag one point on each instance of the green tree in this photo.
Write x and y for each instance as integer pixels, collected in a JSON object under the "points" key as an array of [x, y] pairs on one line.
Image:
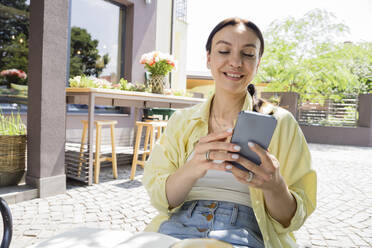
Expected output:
{"points": [[14, 36], [84, 57], [302, 55], [14, 33]]}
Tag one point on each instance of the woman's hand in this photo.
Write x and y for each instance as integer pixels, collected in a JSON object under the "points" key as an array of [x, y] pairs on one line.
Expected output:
{"points": [[211, 153], [266, 176], [279, 202], [209, 148]]}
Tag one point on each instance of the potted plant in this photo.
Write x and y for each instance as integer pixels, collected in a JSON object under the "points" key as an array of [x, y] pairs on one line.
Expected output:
{"points": [[91, 82], [159, 65], [13, 76], [12, 149]]}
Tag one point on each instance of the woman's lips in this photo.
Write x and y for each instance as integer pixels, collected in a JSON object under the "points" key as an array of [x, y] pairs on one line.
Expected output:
{"points": [[233, 76]]}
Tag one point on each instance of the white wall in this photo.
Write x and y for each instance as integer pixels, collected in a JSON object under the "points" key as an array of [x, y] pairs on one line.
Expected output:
{"points": [[163, 40], [163, 25], [179, 52]]}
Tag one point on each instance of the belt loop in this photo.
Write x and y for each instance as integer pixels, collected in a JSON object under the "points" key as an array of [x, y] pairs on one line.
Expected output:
{"points": [[234, 215], [191, 209]]}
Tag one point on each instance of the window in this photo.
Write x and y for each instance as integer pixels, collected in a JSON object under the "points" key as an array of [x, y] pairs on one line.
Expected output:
{"points": [[181, 10], [96, 44], [14, 35]]}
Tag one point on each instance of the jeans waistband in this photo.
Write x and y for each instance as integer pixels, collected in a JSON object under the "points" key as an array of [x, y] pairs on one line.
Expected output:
{"points": [[217, 204]]}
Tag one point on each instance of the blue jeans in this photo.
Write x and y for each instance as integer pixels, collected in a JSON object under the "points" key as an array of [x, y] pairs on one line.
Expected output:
{"points": [[233, 223]]}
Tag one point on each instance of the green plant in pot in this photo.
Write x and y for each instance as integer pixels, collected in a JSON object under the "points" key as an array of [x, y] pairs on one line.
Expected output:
{"points": [[12, 149]]}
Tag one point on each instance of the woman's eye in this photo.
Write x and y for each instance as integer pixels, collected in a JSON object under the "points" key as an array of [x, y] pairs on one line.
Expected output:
{"points": [[223, 52], [248, 55]]}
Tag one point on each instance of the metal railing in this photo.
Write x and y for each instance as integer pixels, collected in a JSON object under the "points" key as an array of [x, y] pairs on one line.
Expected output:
{"points": [[328, 112]]}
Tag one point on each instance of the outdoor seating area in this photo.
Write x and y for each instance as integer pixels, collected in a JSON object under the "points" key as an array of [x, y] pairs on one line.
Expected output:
{"points": [[342, 218], [87, 93]]}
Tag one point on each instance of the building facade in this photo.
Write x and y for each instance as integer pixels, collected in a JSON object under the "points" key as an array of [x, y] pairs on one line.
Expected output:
{"points": [[119, 31]]}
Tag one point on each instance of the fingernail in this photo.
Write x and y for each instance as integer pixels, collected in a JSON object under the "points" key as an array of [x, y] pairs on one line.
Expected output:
{"points": [[250, 144], [235, 156], [237, 148], [218, 161], [229, 130], [228, 167]]}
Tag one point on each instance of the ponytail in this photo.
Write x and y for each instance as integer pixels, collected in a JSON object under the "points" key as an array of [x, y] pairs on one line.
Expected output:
{"points": [[259, 105]]}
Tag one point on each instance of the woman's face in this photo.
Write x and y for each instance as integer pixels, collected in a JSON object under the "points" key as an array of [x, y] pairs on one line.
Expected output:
{"points": [[234, 58]]}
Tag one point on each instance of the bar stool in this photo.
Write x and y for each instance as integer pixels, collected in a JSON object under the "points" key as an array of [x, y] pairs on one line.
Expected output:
{"points": [[97, 158], [149, 141]]}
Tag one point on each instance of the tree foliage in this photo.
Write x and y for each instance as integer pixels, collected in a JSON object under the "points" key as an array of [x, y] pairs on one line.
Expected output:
{"points": [[303, 55], [84, 57], [14, 37], [14, 24]]}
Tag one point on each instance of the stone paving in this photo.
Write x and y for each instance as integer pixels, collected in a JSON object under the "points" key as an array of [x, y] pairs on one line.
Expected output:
{"points": [[343, 217]]}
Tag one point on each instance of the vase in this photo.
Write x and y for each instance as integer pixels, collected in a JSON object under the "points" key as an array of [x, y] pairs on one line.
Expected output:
{"points": [[157, 84], [12, 159]]}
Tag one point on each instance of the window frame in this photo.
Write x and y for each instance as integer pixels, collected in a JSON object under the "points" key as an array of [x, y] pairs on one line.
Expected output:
{"points": [[122, 23]]}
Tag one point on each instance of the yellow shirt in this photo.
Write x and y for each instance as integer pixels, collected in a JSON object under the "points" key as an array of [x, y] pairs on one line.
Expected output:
{"points": [[288, 145]]}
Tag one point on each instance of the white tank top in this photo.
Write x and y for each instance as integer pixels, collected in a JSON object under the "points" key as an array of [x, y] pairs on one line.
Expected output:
{"points": [[219, 186]]}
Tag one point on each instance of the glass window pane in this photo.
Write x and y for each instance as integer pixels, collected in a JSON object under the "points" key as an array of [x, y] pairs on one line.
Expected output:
{"points": [[95, 39], [95, 50], [14, 35]]}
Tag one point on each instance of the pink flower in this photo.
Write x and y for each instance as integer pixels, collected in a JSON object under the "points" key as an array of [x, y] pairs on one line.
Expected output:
{"points": [[14, 72], [152, 63]]}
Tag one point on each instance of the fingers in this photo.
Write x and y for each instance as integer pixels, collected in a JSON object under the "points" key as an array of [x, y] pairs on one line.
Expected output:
{"points": [[257, 170], [262, 153], [217, 145], [218, 166], [224, 156], [216, 136], [256, 181]]}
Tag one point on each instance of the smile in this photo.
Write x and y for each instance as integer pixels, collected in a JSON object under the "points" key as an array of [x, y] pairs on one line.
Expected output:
{"points": [[235, 76]]}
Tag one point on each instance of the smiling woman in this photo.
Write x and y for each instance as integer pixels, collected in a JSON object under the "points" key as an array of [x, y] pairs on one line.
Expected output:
{"points": [[189, 175]]}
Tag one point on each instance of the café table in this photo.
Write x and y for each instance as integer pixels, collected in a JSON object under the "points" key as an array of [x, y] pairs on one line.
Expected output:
{"points": [[110, 97], [87, 237]]}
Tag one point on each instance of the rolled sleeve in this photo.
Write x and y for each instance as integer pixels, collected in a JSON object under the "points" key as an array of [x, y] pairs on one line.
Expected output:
{"points": [[295, 167], [163, 161], [297, 220]]}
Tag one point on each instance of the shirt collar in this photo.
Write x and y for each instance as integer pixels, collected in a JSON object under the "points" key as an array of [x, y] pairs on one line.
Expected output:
{"points": [[203, 110]]}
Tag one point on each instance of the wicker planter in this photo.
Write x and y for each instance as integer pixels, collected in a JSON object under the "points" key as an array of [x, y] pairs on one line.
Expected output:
{"points": [[12, 159], [157, 84]]}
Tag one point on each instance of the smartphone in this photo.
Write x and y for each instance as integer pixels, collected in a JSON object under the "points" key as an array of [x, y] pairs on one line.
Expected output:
{"points": [[255, 127]]}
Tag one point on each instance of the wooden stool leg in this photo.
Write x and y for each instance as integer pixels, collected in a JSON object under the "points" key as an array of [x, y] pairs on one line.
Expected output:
{"points": [[113, 157], [135, 153], [97, 161], [85, 127], [152, 137], [145, 146], [159, 132]]}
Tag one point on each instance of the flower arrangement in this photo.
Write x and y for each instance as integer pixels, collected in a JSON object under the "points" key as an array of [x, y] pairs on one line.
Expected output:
{"points": [[158, 63], [12, 125], [13, 76], [91, 82]]}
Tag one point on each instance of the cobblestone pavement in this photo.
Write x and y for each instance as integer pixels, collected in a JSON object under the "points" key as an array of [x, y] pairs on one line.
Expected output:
{"points": [[343, 217]]}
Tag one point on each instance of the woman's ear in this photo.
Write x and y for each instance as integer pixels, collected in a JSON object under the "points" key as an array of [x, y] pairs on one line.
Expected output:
{"points": [[208, 60]]}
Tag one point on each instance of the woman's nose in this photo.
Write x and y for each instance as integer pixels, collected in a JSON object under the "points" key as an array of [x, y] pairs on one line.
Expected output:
{"points": [[235, 60]]}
